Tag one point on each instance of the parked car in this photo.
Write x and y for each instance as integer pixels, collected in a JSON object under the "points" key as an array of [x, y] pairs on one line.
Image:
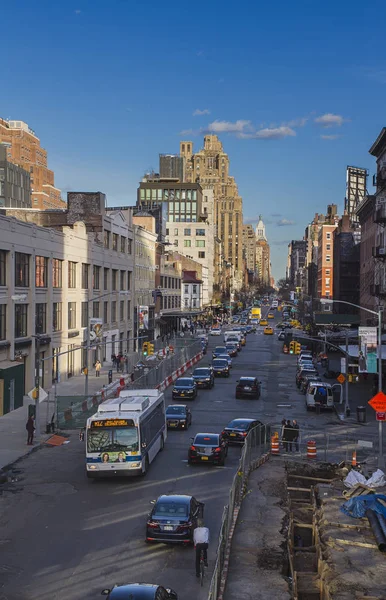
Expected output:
{"points": [[307, 380], [208, 447], [173, 519], [184, 387], [142, 591], [220, 367], [237, 430], [203, 377], [303, 373], [178, 416], [248, 387]]}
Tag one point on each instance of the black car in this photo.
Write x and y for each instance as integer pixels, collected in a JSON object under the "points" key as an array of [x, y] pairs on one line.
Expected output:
{"points": [[248, 329], [209, 448], [220, 367], [184, 387], [307, 380], [219, 350], [173, 519], [237, 430], [231, 349], [281, 336], [140, 591], [300, 375], [248, 387], [178, 416], [203, 377]]}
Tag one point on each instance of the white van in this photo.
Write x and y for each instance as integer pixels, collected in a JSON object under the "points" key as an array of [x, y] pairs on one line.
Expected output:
{"points": [[232, 334], [319, 392]]}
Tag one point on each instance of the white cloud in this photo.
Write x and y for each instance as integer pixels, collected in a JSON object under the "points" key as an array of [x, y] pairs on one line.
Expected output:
{"points": [[229, 127], [285, 222], [330, 137], [271, 133], [330, 120], [199, 113]]}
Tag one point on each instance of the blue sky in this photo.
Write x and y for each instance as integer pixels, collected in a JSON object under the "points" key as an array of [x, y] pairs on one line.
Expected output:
{"points": [[296, 92]]}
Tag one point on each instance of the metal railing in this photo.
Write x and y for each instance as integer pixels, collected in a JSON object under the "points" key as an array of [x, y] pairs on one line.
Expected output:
{"points": [[256, 444]]}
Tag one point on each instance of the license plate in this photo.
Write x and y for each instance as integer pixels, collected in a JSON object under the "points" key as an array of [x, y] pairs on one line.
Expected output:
{"points": [[247, 389], [204, 457], [172, 424], [233, 435], [218, 372], [168, 527], [182, 394]]}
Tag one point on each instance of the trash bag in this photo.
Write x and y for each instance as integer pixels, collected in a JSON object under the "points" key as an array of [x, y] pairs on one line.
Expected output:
{"points": [[356, 507], [353, 478], [377, 479]]}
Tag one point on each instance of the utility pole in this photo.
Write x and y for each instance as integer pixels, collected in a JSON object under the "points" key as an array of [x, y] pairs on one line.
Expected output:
{"points": [[86, 361], [381, 460], [37, 386]]}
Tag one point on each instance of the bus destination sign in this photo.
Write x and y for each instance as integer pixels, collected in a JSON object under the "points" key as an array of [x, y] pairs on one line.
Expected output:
{"points": [[112, 423]]}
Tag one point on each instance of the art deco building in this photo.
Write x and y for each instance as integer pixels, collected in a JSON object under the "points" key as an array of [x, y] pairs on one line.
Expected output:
{"points": [[263, 261], [24, 150]]}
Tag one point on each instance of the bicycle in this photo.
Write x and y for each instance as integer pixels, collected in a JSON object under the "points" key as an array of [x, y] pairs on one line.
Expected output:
{"points": [[202, 567]]}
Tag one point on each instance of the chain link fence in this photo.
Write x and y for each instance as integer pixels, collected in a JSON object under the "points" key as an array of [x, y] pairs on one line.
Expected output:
{"points": [[256, 444], [72, 412]]}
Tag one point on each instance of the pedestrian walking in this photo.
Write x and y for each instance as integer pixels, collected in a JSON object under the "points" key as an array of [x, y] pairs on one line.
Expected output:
{"points": [[296, 433], [98, 367], [30, 427], [288, 436], [122, 363], [283, 424], [113, 359]]}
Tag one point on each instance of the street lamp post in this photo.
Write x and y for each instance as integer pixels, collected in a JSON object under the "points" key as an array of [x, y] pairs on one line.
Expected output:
{"points": [[377, 313], [122, 293]]}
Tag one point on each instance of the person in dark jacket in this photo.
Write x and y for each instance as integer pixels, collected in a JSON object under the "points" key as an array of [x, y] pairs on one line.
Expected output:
{"points": [[288, 436], [296, 432], [30, 427]]}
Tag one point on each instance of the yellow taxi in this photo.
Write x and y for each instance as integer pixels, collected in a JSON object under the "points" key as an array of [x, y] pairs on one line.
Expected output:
{"points": [[268, 331], [271, 316], [263, 322]]}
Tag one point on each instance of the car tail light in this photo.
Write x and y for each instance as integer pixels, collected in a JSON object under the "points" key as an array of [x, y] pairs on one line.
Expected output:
{"points": [[217, 450], [153, 525], [193, 448], [223, 432], [245, 433]]}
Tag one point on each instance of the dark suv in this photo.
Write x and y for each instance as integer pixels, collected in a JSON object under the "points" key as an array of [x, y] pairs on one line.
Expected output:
{"points": [[248, 387], [203, 376], [208, 447]]}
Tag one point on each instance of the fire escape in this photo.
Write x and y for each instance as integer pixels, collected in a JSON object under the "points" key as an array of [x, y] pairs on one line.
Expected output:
{"points": [[378, 289]]}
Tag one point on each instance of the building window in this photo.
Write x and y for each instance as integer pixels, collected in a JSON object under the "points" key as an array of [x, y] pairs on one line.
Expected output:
{"points": [[200, 231], [187, 232], [122, 310], [129, 309], [40, 318], [106, 239], [105, 278], [57, 270], [123, 244], [3, 267], [327, 280], [122, 281], [95, 309], [328, 235], [327, 271], [72, 275], [113, 311], [194, 303], [96, 277], [105, 312], [129, 246], [85, 272], [3, 321], [176, 232], [71, 315], [194, 289], [187, 243], [328, 246], [115, 242], [201, 254], [21, 319], [41, 271], [186, 289], [21, 270], [128, 280], [114, 279], [200, 243], [328, 258], [84, 315], [57, 316]]}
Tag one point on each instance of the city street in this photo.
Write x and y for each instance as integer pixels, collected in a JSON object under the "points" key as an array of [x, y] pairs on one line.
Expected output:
{"points": [[64, 537]]}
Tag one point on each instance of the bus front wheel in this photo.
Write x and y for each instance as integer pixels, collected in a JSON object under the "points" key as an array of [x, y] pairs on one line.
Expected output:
{"points": [[146, 468], [162, 443]]}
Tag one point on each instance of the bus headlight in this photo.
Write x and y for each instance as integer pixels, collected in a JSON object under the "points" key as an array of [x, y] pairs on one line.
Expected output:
{"points": [[92, 467], [135, 465]]}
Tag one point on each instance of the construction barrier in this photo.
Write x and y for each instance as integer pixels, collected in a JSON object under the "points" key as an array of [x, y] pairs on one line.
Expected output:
{"points": [[354, 459], [275, 445], [311, 449]]}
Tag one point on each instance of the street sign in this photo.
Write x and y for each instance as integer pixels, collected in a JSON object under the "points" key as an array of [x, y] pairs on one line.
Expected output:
{"points": [[341, 378], [343, 365], [378, 402], [381, 416], [42, 394]]}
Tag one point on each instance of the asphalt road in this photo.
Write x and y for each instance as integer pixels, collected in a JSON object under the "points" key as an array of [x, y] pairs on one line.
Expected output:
{"points": [[64, 537]]}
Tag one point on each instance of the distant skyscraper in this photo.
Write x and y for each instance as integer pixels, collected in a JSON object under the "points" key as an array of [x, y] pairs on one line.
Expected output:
{"points": [[171, 166], [24, 150], [263, 259], [15, 183]]}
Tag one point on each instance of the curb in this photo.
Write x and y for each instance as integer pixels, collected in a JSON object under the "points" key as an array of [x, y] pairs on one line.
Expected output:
{"points": [[225, 569]]}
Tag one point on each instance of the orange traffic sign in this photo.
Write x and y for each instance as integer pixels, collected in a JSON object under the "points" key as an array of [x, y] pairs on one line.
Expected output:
{"points": [[341, 378], [378, 402]]}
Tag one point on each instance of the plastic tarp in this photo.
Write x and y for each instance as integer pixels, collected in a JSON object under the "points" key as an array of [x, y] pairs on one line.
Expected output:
{"points": [[356, 507], [376, 480]]}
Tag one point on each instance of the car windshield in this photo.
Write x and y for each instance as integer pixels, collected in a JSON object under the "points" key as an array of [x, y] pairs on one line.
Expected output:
{"points": [[220, 349], [170, 509], [183, 383], [175, 410], [206, 439], [247, 381], [220, 363], [202, 372], [112, 439], [238, 424]]}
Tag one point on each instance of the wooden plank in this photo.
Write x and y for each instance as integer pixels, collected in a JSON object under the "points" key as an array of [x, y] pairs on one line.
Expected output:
{"points": [[298, 489], [307, 478], [358, 544], [344, 526]]}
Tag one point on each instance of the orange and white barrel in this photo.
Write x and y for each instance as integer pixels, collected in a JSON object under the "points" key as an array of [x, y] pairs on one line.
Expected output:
{"points": [[311, 449], [275, 445]]}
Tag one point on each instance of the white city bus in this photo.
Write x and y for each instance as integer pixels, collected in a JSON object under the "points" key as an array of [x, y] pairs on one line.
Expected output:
{"points": [[126, 434]]}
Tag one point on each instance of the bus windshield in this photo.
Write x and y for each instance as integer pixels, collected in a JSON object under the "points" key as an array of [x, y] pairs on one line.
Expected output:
{"points": [[113, 439]]}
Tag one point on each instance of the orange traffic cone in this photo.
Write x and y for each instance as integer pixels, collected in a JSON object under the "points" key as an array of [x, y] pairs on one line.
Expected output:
{"points": [[354, 459]]}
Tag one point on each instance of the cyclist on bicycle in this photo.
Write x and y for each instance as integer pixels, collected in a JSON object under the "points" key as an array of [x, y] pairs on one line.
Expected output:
{"points": [[201, 542]]}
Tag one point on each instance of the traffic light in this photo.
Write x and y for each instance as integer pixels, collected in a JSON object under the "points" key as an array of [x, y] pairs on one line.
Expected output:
{"points": [[298, 348], [150, 348], [292, 347], [145, 348]]}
